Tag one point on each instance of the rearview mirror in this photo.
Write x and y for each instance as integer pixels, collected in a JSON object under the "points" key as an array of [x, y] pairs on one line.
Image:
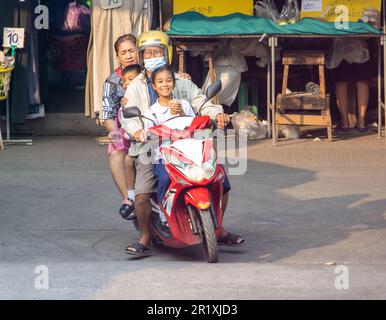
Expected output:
{"points": [[131, 112], [213, 90]]}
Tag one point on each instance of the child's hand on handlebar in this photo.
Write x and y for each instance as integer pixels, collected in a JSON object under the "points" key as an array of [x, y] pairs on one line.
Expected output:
{"points": [[140, 135]]}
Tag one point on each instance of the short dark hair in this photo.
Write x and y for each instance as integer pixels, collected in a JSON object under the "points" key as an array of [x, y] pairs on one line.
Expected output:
{"points": [[161, 69], [133, 67], [126, 37]]}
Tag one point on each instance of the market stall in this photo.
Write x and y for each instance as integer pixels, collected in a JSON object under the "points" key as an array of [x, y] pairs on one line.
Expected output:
{"points": [[193, 26]]}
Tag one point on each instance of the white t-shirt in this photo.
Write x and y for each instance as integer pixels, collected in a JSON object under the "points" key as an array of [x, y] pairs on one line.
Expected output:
{"points": [[159, 114]]}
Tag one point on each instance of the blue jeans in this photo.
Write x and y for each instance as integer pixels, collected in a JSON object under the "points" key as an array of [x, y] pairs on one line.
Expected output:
{"points": [[163, 181]]}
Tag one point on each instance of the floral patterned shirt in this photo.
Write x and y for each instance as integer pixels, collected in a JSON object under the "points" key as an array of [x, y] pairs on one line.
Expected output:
{"points": [[113, 92]]}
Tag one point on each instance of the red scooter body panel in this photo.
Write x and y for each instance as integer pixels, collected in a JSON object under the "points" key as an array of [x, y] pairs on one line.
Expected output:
{"points": [[198, 197], [175, 209], [206, 194]]}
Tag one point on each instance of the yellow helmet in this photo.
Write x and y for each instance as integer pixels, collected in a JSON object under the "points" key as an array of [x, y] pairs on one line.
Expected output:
{"points": [[155, 38]]}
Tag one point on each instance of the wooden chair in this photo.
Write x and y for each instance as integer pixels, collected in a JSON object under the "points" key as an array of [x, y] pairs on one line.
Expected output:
{"points": [[303, 108]]}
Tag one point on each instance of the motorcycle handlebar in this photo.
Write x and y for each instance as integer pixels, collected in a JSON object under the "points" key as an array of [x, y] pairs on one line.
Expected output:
{"points": [[154, 137]]}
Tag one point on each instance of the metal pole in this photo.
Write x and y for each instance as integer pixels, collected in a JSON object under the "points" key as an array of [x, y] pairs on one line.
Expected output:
{"points": [[384, 65], [8, 119], [379, 89], [384, 85], [160, 15], [273, 88], [269, 95]]}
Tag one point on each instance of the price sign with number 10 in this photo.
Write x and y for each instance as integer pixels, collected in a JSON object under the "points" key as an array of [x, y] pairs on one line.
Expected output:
{"points": [[13, 37]]}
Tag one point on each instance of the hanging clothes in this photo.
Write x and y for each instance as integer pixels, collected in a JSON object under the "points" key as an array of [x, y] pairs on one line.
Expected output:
{"points": [[229, 65], [134, 16]]}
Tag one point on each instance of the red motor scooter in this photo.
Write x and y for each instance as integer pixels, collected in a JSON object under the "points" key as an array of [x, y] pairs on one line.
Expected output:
{"points": [[191, 211]]}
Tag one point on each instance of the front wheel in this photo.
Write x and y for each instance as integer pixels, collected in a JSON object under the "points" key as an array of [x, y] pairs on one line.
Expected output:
{"points": [[208, 236]]}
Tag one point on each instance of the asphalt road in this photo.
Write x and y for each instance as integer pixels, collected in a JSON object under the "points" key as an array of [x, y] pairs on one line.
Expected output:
{"points": [[313, 215]]}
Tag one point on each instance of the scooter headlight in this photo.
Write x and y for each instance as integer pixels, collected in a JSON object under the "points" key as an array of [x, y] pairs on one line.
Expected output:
{"points": [[174, 161], [209, 170], [213, 157], [194, 172]]}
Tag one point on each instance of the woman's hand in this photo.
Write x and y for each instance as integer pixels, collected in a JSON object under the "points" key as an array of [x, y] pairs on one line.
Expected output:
{"points": [[184, 75], [123, 102], [111, 136], [176, 107]]}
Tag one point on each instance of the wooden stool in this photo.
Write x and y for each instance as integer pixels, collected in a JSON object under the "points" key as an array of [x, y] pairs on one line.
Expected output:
{"points": [[303, 108], [208, 47]]}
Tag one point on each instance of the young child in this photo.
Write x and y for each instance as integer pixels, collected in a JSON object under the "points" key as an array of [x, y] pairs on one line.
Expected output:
{"points": [[129, 73], [163, 82]]}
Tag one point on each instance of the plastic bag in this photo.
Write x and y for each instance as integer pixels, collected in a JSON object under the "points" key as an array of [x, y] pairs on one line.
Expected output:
{"points": [[289, 131], [266, 9], [247, 120], [77, 18], [371, 16], [290, 12], [6, 61]]}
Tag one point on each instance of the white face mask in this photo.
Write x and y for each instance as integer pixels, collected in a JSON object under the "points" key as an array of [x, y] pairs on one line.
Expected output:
{"points": [[154, 63]]}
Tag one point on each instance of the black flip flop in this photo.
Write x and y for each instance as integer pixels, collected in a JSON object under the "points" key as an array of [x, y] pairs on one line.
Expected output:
{"points": [[127, 211], [230, 240], [140, 250]]}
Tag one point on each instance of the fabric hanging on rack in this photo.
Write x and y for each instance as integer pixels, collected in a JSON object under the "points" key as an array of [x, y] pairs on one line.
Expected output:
{"points": [[33, 64], [229, 64], [134, 16]]}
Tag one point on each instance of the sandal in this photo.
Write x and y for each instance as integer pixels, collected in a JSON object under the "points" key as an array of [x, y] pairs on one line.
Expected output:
{"points": [[127, 209], [230, 240], [139, 250]]}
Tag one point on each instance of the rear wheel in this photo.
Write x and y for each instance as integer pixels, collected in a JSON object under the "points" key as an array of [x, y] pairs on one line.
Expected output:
{"points": [[208, 236]]}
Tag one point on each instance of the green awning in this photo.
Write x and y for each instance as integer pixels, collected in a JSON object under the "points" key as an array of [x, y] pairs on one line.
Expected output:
{"points": [[195, 24]]}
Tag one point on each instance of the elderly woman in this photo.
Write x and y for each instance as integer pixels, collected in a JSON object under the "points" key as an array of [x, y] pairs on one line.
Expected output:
{"points": [[121, 164]]}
